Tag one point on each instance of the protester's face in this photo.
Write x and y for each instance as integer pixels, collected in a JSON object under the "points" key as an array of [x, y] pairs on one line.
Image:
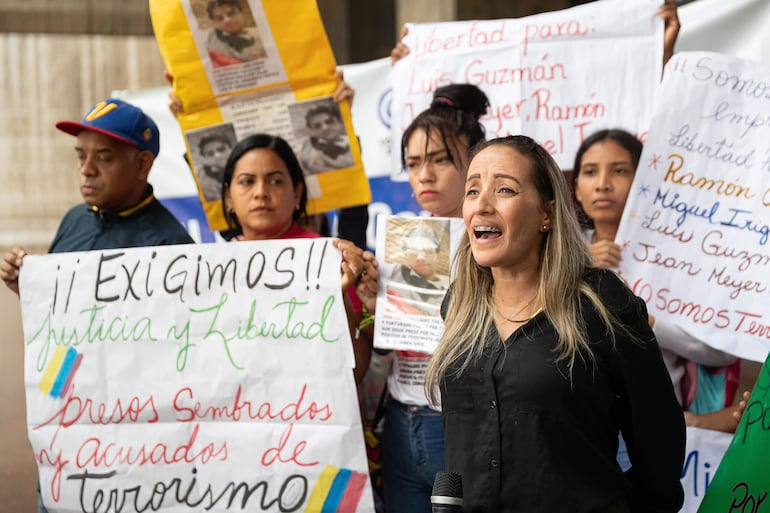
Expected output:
{"points": [[325, 126], [262, 195], [437, 183], [604, 180], [227, 18], [503, 210], [421, 255], [214, 154], [113, 174]]}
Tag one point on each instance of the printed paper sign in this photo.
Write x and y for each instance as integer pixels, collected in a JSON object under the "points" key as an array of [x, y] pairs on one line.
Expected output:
{"points": [[192, 378], [414, 277], [556, 77], [696, 226], [259, 67]]}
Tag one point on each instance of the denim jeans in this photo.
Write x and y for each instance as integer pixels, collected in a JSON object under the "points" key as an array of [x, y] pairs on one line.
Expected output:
{"points": [[40, 507], [413, 451], [623, 460]]}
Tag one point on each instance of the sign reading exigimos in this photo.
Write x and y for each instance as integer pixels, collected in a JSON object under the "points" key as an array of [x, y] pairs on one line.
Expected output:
{"points": [[206, 377], [242, 67]]}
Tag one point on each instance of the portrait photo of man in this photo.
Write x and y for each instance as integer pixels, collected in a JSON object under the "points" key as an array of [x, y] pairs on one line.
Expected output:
{"points": [[323, 142], [418, 283]]}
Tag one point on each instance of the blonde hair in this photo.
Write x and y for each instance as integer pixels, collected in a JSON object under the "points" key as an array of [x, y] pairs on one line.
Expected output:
{"points": [[564, 259]]}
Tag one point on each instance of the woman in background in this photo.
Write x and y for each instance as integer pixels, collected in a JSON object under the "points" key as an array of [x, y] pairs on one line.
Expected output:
{"points": [[605, 165], [264, 197]]}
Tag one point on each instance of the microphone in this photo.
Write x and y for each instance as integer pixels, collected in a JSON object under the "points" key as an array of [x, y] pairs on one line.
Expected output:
{"points": [[447, 495]]}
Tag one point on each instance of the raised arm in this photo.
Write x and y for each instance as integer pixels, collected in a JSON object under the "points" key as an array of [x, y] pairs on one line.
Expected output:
{"points": [[667, 13]]}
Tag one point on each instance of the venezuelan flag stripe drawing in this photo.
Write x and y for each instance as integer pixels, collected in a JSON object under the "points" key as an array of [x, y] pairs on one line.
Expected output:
{"points": [[58, 375], [49, 375], [353, 493], [321, 489], [336, 491], [75, 367]]}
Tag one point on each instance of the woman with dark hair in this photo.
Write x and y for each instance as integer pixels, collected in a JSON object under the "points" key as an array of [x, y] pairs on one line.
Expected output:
{"points": [[607, 158], [605, 165], [544, 358], [434, 152], [434, 147], [265, 166], [265, 197]]}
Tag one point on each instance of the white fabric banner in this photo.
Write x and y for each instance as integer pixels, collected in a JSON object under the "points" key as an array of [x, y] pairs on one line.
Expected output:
{"points": [[740, 28], [371, 113], [556, 76], [196, 377], [703, 452], [696, 227]]}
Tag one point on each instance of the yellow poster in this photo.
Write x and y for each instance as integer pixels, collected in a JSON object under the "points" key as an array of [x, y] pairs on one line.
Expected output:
{"points": [[242, 67]]}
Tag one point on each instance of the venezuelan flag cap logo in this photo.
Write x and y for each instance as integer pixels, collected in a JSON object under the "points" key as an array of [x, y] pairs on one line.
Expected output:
{"points": [[58, 375], [338, 490], [119, 120]]}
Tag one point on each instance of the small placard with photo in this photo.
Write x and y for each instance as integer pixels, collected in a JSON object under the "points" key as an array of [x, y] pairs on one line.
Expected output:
{"points": [[415, 273]]}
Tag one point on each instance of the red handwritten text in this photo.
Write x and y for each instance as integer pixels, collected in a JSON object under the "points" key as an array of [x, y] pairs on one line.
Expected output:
{"points": [[473, 37], [545, 31], [78, 410], [280, 454], [240, 408], [94, 452]]}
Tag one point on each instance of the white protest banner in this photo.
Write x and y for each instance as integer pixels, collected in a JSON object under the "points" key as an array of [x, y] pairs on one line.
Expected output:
{"points": [[703, 452], [371, 113], [696, 226], [555, 77], [188, 378], [415, 262]]}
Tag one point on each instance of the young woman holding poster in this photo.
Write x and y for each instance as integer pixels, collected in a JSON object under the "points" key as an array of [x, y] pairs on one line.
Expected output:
{"points": [[434, 151], [264, 196], [605, 165], [544, 359]]}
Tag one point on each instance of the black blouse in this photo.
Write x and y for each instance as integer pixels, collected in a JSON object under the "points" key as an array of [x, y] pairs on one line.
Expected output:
{"points": [[527, 437]]}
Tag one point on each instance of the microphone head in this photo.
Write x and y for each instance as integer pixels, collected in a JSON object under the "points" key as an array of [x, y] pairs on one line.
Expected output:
{"points": [[448, 484]]}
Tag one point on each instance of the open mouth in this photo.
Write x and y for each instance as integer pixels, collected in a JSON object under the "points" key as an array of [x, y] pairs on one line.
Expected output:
{"points": [[486, 232]]}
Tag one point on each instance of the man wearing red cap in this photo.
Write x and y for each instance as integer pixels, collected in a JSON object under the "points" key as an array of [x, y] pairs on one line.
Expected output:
{"points": [[116, 146]]}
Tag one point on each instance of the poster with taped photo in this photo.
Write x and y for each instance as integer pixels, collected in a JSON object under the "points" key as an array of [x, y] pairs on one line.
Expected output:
{"points": [[415, 273], [235, 43], [210, 148], [321, 142]]}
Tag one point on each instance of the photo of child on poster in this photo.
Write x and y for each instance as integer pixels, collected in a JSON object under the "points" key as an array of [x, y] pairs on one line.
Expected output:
{"points": [[210, 148], [322, 143], [418, 283], [233, 37]]}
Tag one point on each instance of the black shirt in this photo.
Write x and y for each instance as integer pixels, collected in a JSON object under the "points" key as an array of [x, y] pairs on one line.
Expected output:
{"points": [[527, 437]]}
